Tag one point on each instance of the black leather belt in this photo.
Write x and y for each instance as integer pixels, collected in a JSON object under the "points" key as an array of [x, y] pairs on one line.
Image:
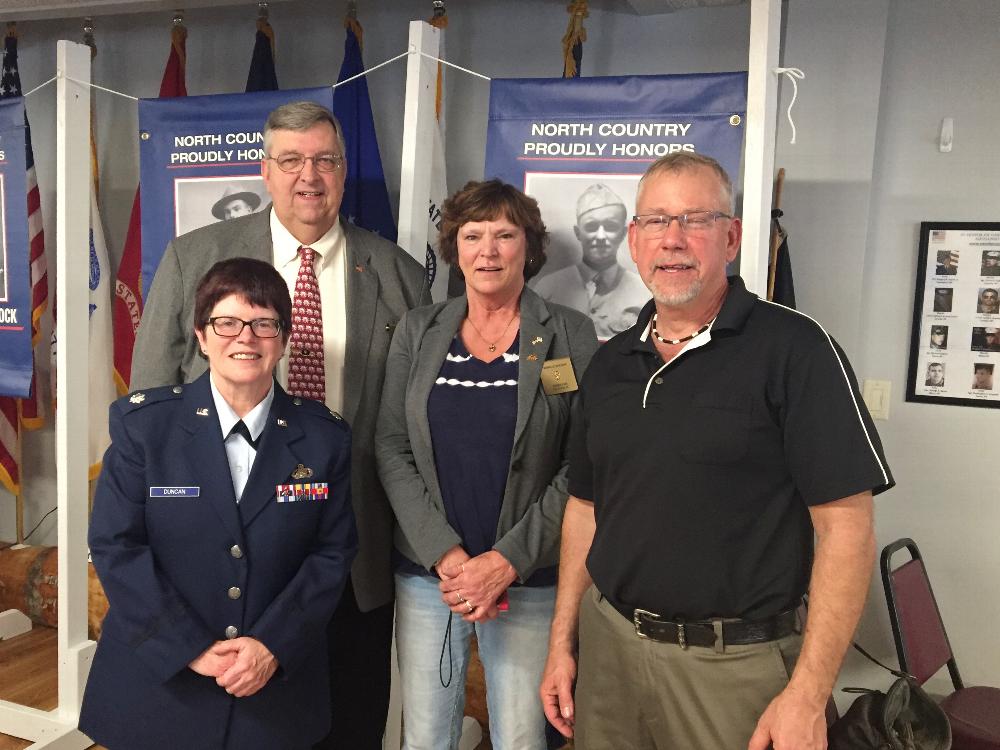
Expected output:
{"points": [[709, 633]]}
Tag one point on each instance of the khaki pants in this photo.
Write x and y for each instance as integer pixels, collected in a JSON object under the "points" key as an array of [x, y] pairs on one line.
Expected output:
{"points": [[637, 694]]}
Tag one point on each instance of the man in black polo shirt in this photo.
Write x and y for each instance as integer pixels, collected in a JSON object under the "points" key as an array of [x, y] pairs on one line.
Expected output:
{"points": [[715, 438]]}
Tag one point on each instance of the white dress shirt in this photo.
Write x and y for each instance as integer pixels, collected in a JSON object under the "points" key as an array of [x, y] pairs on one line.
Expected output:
{"points": [[329, 265], [240, 453]]}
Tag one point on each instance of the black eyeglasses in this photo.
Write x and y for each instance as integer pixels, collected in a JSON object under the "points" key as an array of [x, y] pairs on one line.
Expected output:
{"points": [[228, 327], [297, 162]]}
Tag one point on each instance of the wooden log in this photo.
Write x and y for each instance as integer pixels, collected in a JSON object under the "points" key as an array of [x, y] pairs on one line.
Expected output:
{"points": [[29, 581]]}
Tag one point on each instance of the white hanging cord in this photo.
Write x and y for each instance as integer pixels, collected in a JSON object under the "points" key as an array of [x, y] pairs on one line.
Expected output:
{"points": [[369, 70], [101, 88], [451, 65], [792, 74], [39, 86]]}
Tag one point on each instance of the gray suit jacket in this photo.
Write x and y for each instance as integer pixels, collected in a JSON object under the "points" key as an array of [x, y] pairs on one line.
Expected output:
{"points": [[535, 495], [383, 282]]}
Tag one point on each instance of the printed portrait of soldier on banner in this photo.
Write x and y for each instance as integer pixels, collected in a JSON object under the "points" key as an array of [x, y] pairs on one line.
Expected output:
{"points": [[579, 147]]}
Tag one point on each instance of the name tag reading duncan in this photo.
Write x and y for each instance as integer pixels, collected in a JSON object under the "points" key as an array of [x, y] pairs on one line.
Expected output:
{"points": [[174, 491], [558, 376]]}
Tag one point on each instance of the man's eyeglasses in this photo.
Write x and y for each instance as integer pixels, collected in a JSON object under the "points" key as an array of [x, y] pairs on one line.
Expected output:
{"points": [[655, 225], [297, 162], [227, 327]]}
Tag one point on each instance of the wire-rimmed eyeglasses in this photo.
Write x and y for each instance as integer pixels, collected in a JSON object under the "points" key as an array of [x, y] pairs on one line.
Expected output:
{"points": [[297, 162], [655, 225]]}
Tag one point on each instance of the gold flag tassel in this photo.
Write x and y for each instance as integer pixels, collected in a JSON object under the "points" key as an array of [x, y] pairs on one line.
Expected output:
{"points": [[352, 24], [575, 34], [439, 21], [263, 25]]}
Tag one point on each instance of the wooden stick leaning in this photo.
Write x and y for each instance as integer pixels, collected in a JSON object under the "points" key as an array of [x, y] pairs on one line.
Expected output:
{"points": [[779, 183]]}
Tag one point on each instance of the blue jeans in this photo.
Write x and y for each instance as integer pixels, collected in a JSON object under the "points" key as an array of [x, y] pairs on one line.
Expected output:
{"points": [[512, 647]]}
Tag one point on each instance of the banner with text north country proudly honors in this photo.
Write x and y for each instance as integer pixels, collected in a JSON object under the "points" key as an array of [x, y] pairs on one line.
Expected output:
{"points": [[580, 145], [16, 359], [200, 162]]}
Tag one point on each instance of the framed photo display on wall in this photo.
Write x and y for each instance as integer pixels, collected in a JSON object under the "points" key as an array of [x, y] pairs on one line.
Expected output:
{"points": [[955, 340]]}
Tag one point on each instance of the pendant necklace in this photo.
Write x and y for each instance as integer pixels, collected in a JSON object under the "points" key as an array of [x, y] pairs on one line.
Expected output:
{"points": [[492, 346]]}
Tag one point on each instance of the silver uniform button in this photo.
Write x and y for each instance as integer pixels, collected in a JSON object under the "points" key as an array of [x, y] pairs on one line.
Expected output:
{"points": [[177, 389], [235, 593], [232, 631], [235, 551], [658, 381]]}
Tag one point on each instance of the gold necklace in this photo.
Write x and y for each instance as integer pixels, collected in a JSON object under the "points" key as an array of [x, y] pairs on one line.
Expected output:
{"points": [[492, 346]]}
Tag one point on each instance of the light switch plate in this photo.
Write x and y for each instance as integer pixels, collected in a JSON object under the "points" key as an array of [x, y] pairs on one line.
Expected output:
{"points": [[876, 394]]}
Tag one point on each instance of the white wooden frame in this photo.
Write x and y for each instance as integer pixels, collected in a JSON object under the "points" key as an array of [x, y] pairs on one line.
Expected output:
{"points": [[56, 729]]}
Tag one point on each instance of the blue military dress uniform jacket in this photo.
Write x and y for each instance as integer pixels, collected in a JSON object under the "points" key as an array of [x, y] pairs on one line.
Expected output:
{"points": [[183, 568]]}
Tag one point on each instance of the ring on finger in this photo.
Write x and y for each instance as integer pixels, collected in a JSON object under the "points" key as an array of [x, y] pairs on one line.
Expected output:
{"points": [[459, 598], [469, 605]]}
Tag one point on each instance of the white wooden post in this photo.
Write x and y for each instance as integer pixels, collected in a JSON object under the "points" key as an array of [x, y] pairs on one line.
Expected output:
{"points": [[56, 730], [758, 159], [418, 140], [72, 337]]}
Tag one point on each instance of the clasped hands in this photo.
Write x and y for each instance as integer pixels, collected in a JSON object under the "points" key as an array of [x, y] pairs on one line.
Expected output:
{"points": [[240, 666], [471, 586]]}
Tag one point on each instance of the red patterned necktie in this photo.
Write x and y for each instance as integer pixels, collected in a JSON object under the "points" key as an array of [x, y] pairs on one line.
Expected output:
{"points": [[306, 374]]}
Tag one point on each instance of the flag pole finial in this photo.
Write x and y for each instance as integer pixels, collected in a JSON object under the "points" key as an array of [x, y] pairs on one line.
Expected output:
{"points": [[352, 9], [88, 32], [178, 18], [262, 10], [439, 9]]}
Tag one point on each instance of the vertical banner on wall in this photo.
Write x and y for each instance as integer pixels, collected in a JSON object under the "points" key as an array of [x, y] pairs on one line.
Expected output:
{"points": [[16, 359], [200, 162], [580, 145]]}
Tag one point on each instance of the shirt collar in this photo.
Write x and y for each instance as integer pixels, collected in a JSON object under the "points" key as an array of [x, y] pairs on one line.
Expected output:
{"points": [[255, 419], [735, 310], [286, 247]]}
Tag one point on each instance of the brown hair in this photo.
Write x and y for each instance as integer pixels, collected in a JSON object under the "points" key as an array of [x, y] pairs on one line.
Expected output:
{"points": [[488, 201], [254, 280]]}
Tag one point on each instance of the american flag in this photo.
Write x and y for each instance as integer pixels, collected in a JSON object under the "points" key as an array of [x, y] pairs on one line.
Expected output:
{"points": [[27, 412]]}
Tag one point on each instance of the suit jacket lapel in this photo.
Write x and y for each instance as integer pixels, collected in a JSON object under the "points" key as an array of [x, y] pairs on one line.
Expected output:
{"points": [[535, 340], [255, 241], [275, 461], [206, 454], [430, 354], [362, 287]]}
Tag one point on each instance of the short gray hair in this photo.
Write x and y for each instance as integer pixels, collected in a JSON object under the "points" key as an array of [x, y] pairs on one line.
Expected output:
{"points": [[682, 161], [301, 116]]}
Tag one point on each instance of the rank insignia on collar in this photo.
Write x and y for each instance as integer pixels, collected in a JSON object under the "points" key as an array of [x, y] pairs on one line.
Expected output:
{"points": [[282, 422], [202, 412], [536, 340], [302, 472], [137, 398]]}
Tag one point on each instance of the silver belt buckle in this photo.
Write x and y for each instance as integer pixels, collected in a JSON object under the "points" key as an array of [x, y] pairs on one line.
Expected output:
{"points": [[637, 615]]}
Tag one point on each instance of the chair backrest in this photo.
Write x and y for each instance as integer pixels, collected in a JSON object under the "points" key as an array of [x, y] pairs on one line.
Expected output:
{"points": [[921, 641]]}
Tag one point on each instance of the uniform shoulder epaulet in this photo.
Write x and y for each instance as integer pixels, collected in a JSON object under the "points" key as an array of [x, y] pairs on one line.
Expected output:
{"points": [[142, 398], [316, 408]]}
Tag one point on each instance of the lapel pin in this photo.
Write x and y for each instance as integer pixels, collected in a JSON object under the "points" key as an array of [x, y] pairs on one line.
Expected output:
{"points": [[282, 422], [536, 340], [137, 398], [532, 357], [302, 472], [202, 412], [359, 268]]}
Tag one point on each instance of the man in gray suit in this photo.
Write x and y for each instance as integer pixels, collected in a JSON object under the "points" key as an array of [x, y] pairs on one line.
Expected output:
{"points": [[366, 284]]}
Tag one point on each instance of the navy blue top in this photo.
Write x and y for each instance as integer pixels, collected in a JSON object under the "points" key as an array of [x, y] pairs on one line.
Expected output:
{"points": [[472, 411]]}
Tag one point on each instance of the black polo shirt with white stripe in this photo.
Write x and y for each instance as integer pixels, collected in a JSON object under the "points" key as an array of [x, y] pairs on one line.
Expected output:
{"points": [[702, 470]]}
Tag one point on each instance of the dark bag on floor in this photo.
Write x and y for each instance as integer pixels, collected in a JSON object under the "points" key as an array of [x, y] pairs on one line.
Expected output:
{"points": [[902, 718]]}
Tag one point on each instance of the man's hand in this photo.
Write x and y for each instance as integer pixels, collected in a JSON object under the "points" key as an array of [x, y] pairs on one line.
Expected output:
{"points": [[253, 667], [214, 660], [480, 581], [557, 691], [793, 721]]}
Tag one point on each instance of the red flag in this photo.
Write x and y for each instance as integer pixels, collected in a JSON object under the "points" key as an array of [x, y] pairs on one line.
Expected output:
{"points": [[27, 412], [128, 281]]}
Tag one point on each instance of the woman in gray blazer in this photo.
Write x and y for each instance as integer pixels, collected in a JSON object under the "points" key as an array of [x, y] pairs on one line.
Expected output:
{"points": [[471, 449]]}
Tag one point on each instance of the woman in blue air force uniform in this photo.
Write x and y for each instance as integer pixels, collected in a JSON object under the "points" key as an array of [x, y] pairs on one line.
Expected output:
{"points": [[222, 532]]}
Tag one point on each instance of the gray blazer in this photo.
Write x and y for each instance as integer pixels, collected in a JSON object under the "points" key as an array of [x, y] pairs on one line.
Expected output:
{"points": [[383, 282], [535, 496]]}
